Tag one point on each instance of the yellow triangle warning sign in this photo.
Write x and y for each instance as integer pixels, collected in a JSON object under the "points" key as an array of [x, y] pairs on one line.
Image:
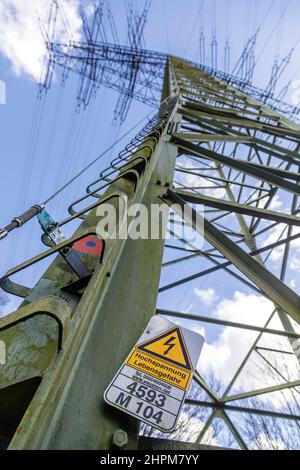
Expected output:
{"points": [[170, 346]]}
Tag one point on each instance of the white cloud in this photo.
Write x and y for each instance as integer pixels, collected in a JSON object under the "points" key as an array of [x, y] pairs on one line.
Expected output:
{"points": [[225, 354], [273, 236], [278, 233], [275, 204], [295, 263], [21, 38], [89, 9], [7, 304], [207, 296]]}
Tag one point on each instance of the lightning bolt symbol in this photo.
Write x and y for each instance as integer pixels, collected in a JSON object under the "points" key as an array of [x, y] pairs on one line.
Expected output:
{"points": [[169, 344]]}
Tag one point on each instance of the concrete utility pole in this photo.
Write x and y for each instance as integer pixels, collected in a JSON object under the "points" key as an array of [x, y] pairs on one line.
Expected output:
{"points": [[77, 325]]}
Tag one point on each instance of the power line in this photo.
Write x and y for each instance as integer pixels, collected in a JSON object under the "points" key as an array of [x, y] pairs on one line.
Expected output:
{"points": [[77, 175], [166, 26], [273, 31], [193, 27]]}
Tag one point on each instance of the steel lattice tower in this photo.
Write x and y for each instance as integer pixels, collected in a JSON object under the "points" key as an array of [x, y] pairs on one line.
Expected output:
{"points": [[79, 322]]}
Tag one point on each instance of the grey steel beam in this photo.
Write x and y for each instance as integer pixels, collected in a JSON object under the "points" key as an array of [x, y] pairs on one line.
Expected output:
{"points": [[151, 443], [239, 208], [245, 167], [216, 321], [270, 148], [68, 410], [276, 290], [198, 137], [243, 409], [197, 377], [70, 394], [190, 110], [226, 264], [257, 144], [261, 391], [277, 171], [206, 272], [225, 181], [234, 431]]}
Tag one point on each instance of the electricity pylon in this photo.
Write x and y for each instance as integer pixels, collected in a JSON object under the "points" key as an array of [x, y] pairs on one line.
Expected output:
{"points": [[78, 323]]}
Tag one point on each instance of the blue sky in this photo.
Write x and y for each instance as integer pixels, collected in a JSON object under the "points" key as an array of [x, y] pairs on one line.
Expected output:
{"points": [[33, 165]]}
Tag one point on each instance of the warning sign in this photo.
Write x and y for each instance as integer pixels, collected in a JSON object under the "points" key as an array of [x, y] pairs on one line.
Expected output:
{"points": [[160, 369], [169, 346], [152, 383]]}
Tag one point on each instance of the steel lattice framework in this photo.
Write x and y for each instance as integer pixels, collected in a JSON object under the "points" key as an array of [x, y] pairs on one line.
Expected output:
{"points": [[134, 72], [210, 144]]}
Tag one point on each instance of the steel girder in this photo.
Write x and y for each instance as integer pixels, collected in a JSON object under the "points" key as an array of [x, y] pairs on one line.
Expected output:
{"points": [[224, 141]]}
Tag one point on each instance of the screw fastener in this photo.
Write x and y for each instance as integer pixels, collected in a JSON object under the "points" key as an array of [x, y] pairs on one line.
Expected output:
{"points": [[120, 438]]}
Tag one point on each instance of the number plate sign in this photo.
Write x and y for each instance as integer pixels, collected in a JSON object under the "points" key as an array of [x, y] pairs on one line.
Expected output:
{"points": [[152, 383]]}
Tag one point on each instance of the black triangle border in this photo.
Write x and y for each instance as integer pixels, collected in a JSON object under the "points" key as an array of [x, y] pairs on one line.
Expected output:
{"points": [[176, 329]]}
